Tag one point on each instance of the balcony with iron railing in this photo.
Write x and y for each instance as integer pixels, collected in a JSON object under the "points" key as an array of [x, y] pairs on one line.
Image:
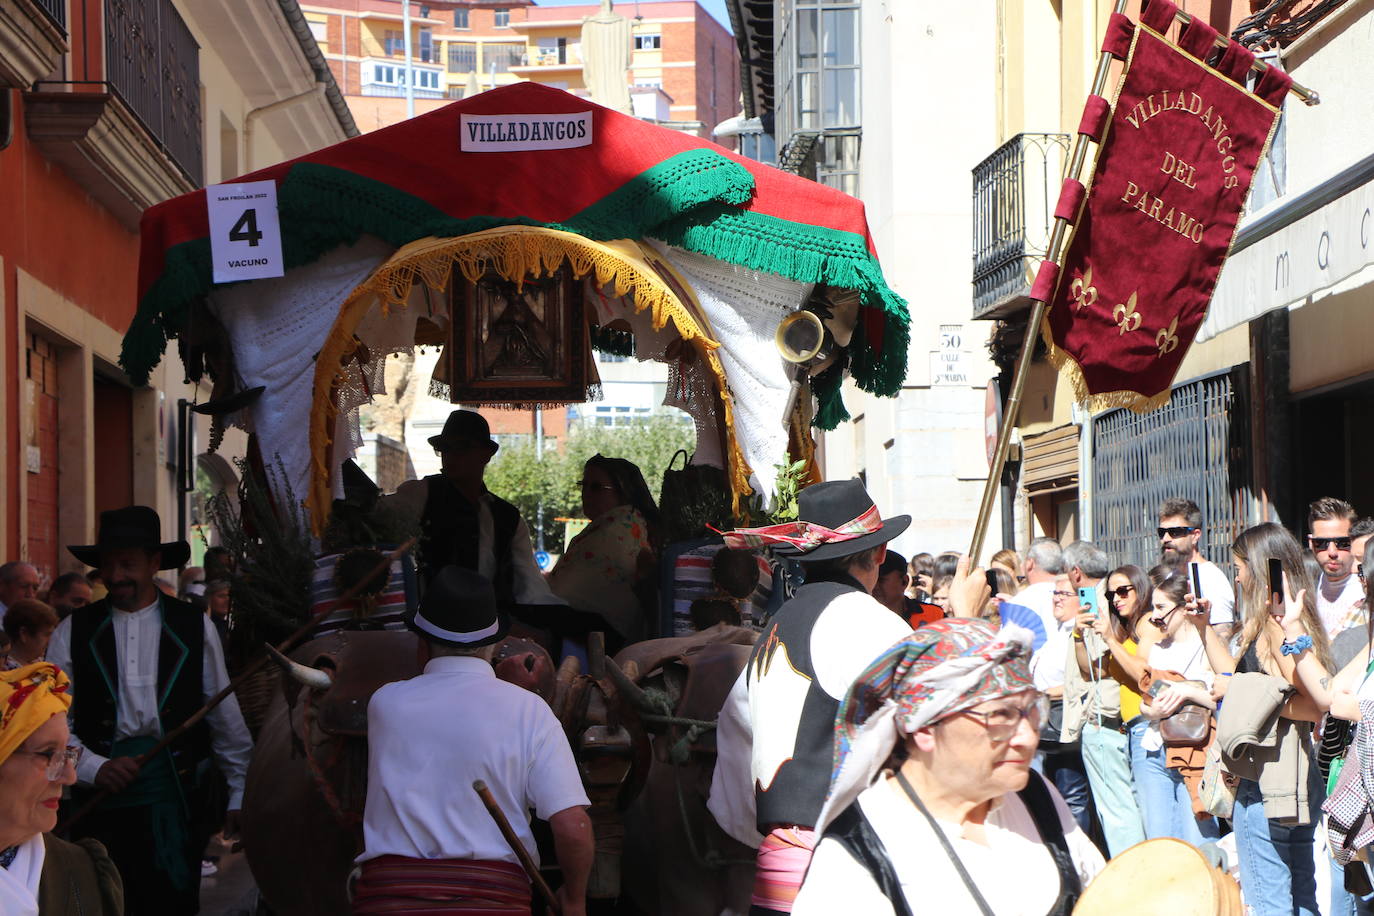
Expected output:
{"points": [[152, 63], [33, 38], [1014, 194], [134, 137]]}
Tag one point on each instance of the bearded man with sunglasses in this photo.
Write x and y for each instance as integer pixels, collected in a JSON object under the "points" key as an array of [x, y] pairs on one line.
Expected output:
{"points": [[1180, 543], [961, 826], [1340, 594]]}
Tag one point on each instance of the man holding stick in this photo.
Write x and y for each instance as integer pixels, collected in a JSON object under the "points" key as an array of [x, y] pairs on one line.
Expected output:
{"points": [[141, 664], [429, 843]]}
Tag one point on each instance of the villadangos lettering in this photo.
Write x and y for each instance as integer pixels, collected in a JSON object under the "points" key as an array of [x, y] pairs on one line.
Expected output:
{"points": [[516, 132]]}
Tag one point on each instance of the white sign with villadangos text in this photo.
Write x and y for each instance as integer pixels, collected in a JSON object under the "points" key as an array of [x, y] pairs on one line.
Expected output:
{"points": [[516, 132], [245, 236]]}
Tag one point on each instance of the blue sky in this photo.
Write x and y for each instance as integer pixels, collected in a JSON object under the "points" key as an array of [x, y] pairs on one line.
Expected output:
{"points": [[715, 7]]}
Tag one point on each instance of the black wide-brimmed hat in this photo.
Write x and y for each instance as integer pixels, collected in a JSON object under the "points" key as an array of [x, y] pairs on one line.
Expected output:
{"points": [[840, 505], [464, 427], [459, 609], [132, 526]]}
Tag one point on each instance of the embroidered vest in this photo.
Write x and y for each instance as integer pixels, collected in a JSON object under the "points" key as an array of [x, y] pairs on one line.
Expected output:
{"points": [[793, 718], [95, 677], [450, 533]]}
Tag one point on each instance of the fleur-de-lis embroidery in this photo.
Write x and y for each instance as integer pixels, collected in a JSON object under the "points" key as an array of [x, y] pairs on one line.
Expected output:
{"points": [[1167, 339], [1127, 318], [1082, 292]]}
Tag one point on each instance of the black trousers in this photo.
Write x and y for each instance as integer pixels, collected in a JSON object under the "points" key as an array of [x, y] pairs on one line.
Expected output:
{"points": [[127, 834]]}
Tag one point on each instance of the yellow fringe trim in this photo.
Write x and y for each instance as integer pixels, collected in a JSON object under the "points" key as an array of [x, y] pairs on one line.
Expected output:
{"points": [[1063, 362], [514, 252]]}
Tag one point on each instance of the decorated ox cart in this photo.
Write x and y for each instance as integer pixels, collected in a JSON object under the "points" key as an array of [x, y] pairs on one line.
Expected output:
{"points": [[511, 229]]}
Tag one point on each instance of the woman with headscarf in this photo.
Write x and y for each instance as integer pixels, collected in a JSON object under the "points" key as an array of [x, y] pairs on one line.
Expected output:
{"points": [[960, 825], [609, 568], [39, 873]]}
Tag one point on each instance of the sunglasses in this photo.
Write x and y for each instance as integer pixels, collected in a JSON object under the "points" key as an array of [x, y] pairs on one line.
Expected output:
{"points": [[1320, 544], [1174, 532], [1121, 591], [1162, 622]]}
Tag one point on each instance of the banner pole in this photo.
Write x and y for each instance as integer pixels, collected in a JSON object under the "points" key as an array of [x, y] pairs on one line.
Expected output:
{"points": [[1037, 316]]}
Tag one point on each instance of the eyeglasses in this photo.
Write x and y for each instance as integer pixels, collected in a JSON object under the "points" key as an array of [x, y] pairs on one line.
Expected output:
{"points": [[1064, 594], [1320, 544], [1162, 622], [1176, 532], [1121, 591], [1002, 722], [589, 485], [56, 760]]}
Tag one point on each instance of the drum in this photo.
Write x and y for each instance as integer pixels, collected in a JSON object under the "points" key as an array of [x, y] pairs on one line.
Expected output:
{"points": [[1160, 876]]}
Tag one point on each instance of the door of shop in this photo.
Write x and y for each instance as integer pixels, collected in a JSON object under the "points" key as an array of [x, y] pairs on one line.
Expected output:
{"points": [[1197, 447]]}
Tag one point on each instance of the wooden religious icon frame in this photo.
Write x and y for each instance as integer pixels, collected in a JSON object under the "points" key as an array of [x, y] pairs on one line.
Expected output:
{"points": [[518, 343]]}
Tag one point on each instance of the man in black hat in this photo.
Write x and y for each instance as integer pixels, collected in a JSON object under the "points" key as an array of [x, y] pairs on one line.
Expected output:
{"points": [[141, 664], [430, 737], [774, 745], [463, 523]]}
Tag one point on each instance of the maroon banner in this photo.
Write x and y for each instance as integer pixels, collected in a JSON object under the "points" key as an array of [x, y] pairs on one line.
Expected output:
{"points": [[1172, 174]]}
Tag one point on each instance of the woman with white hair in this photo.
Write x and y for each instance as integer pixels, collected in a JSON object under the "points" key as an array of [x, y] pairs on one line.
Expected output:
{"points": [[953, 821]]}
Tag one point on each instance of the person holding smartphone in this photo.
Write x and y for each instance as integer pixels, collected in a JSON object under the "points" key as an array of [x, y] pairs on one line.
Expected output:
{"points": [[1276, 855], [1180, 543]]}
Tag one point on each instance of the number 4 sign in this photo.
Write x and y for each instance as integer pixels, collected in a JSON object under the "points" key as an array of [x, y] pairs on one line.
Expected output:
{"points": [[245, 237]]}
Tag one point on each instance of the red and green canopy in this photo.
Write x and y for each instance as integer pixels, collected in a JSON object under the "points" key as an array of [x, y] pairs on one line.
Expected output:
{"points": [[411, 181]]}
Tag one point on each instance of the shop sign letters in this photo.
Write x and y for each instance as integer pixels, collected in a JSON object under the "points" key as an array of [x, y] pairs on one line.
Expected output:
{"points": [[514, 133]]}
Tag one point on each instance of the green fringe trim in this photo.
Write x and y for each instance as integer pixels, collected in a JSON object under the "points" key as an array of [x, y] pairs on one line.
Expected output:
{"points": [[808, 254], [323, 207], [830, 409]]}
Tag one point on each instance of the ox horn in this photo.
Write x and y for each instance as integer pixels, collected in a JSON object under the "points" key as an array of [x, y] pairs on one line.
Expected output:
{"points": [[315, 678]]}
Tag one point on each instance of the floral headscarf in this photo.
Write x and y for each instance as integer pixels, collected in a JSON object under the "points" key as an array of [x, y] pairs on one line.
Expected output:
{"points": [[29, 697], [940, 669]]}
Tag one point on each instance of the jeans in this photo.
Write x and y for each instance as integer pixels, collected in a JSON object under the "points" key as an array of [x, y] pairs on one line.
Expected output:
{"points": [[1164, 800], [1277, 872], [1344, 903], [1064, 768], [1107, 758]]}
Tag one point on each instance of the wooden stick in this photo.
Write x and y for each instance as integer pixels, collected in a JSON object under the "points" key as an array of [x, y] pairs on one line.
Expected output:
{"points": [[516, 846], [283, 647]]}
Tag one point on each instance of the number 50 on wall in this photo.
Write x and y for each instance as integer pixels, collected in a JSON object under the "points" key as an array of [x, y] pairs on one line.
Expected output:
{"points": [[245, 236]]}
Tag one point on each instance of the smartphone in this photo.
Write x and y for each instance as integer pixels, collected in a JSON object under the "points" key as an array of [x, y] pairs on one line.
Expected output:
{"points": [[992, 582], [1195, 570], [1276, 580], [1088, 597]]}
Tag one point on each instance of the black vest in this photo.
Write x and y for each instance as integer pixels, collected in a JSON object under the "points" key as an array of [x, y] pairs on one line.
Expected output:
{"points": [[450, 533], [180, 664], [782, 655], [856, 835]]}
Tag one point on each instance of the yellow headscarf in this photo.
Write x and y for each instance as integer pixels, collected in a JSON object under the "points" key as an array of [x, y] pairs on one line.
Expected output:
{"points": [[30, 696]]}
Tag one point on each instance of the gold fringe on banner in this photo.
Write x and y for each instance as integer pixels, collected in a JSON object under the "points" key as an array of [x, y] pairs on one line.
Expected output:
{"points": [[514, 252]]}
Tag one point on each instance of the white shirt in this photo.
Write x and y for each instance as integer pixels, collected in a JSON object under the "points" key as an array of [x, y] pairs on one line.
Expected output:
{"points": [[19, 883], [529, 586], [1343, 610], [1047, 662], [137, 636], [1216, 588], [1014, 872], [848, 635], [429, 738]]}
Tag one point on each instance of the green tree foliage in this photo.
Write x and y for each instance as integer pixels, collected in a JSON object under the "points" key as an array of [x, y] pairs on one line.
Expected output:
{"points": [[518, 476]]}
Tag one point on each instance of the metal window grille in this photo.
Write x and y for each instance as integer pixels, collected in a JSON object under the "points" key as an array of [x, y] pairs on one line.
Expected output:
{"points": [[152, 63], [1014, 194], [1197, 447], [501, 57], [56, 10], [462, 57]]}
